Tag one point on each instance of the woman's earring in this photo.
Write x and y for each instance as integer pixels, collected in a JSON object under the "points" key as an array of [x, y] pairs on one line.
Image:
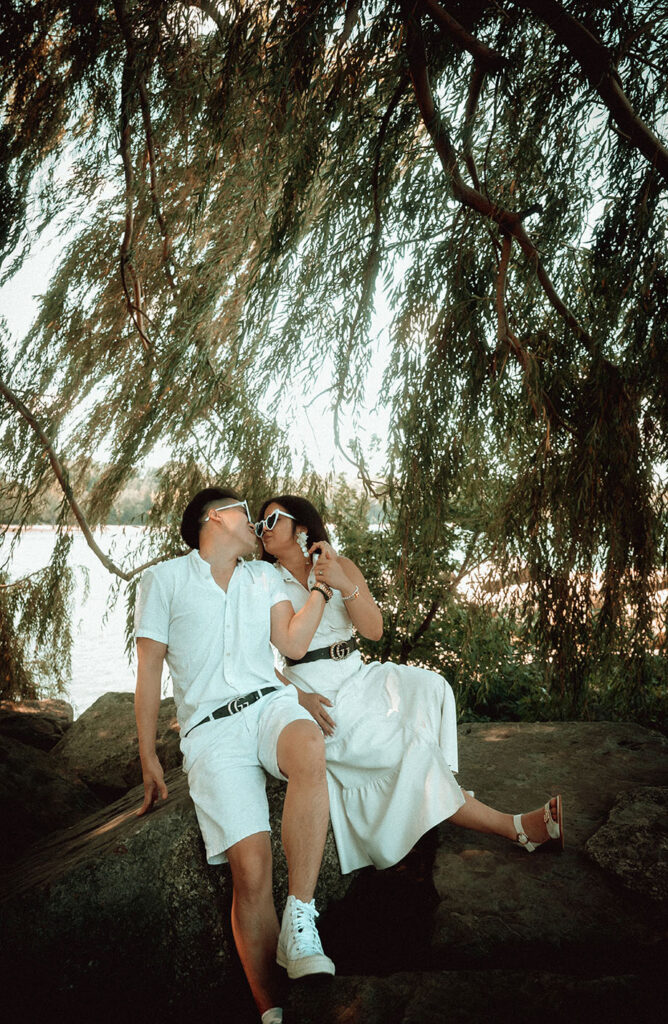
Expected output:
{"points": [[301, 538]]}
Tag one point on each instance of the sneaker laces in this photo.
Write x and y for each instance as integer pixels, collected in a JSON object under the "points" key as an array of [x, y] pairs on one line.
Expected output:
{"points": [[302, 926]]}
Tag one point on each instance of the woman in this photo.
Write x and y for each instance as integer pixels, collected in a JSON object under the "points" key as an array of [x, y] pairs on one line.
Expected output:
{"points": [[391, 738]]}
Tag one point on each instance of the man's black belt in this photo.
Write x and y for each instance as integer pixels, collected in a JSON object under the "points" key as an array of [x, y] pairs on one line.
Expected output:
{"points": [[233, 706], [338, 651]]}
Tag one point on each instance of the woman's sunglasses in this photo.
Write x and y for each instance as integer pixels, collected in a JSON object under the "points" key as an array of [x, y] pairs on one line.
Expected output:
{"points": [[270, 522]]}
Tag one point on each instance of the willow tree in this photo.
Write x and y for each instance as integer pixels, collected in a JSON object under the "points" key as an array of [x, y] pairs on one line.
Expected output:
{"points": [[239, 182]]}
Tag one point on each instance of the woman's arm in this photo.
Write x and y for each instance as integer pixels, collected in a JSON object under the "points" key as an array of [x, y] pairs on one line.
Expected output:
{"points": [[292, 632], [342, 574]]}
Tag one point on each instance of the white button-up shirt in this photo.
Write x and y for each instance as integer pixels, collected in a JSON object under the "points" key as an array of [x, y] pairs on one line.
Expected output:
{"points": [[218, 643]]}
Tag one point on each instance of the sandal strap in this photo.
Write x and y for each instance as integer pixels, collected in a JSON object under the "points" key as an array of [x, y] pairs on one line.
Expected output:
{"points": [[551, 825], [522, 837]]}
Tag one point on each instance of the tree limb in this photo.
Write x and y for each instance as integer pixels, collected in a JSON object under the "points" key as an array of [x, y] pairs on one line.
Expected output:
{"points": [[211, 11], [597, 63], [62, 477], [484, 56], [352, 13], [509, 221]]}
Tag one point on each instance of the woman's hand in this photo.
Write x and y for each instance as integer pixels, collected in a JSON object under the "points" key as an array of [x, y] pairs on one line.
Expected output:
{"points": [[323, 547], [314, 704], [331, 569]]}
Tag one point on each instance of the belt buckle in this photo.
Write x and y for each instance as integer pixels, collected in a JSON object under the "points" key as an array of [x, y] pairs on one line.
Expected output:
{"points": [[339, 650], [238, 704]]}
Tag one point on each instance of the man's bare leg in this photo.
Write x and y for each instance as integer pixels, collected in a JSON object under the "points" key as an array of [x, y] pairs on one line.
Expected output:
{"points": [[254, 921], [301, 758]]}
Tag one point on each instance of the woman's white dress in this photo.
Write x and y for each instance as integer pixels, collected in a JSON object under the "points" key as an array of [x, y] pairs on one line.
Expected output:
{"points": [[391, 759]]}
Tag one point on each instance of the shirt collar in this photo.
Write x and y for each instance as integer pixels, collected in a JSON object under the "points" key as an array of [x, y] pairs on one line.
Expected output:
{"points": [[202, 567]]}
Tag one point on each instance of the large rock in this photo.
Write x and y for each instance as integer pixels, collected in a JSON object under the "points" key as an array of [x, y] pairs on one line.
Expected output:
{"points": [[633, 843], [124, 917], [36, 797], [39, 723], [495, 900], [103, 749]]}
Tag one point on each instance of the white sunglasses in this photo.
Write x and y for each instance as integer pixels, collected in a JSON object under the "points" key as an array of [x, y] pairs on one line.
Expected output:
{"points": [[224, 508], [270, 522]]}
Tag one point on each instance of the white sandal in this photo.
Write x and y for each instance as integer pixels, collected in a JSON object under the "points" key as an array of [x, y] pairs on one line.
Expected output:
{"points": [[555, 829]]}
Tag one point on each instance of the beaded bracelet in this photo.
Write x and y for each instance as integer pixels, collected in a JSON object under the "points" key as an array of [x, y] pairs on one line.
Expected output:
{"points": [[323, 589], [351, 597]]}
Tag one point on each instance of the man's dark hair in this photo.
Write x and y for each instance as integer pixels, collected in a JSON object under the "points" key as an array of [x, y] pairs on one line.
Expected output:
{"points": [[192, 517], [305, 515]]}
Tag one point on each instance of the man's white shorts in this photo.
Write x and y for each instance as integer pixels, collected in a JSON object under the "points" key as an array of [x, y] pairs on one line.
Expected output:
{"points": [[224, 760]]}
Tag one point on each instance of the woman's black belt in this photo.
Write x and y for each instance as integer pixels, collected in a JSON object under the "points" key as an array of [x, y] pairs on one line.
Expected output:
{"points": [[337, 652], [236, 705]]}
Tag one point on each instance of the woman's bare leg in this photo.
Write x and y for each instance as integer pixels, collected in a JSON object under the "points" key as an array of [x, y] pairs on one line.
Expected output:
{"points": [[481, 818]]}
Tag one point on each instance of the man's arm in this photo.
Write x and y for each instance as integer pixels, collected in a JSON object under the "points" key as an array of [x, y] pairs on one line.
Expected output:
{"points": [[150, 656]]}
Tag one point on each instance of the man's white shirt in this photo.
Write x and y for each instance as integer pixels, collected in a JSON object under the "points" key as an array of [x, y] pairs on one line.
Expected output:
{"points": [[218, 643]]}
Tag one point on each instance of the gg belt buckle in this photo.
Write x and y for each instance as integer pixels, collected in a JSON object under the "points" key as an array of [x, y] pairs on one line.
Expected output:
{"points": [[339, 650], [238, 704]]}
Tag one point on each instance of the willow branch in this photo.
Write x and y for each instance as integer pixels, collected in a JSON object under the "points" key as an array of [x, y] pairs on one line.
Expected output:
{"points": [[597, 63], [371, 263], [370, 268], [437, 602], [484, 56], [126, 260], [62, 477], [475, 88], [501, 316], [508, 221], [21, 581], [148, 131]]}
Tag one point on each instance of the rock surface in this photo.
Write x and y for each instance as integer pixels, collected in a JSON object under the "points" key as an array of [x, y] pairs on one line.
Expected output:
{"points": [[36, 797], [462, 997], [123, 912], [39, 723], [494, 898], [102, 747], [633, 843]]}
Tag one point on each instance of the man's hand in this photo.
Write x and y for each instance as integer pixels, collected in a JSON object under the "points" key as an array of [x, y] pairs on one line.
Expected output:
{"points": [[314, 704], [154, 784]]}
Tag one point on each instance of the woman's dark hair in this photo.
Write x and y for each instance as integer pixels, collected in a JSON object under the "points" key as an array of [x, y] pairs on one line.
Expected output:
{"points": [[305, 515]]}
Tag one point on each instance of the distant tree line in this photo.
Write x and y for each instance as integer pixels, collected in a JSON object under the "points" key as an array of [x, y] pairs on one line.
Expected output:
{"points": [[131, 504]]}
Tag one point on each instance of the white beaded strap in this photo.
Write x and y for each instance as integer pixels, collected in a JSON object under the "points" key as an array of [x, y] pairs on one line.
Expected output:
{"points": [[351, 597]]}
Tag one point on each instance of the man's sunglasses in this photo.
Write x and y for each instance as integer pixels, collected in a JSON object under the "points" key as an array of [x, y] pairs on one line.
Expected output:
{"points": [[224, 508], [270, 522]]}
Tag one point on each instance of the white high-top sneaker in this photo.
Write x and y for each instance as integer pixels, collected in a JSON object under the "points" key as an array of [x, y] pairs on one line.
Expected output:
{"points": [[299, 946]]}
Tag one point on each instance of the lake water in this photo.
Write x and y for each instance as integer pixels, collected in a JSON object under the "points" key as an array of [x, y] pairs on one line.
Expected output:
{"points": [[99, 661]]}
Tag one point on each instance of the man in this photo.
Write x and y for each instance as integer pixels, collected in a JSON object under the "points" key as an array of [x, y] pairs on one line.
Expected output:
{"points": [[211, 615]]}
